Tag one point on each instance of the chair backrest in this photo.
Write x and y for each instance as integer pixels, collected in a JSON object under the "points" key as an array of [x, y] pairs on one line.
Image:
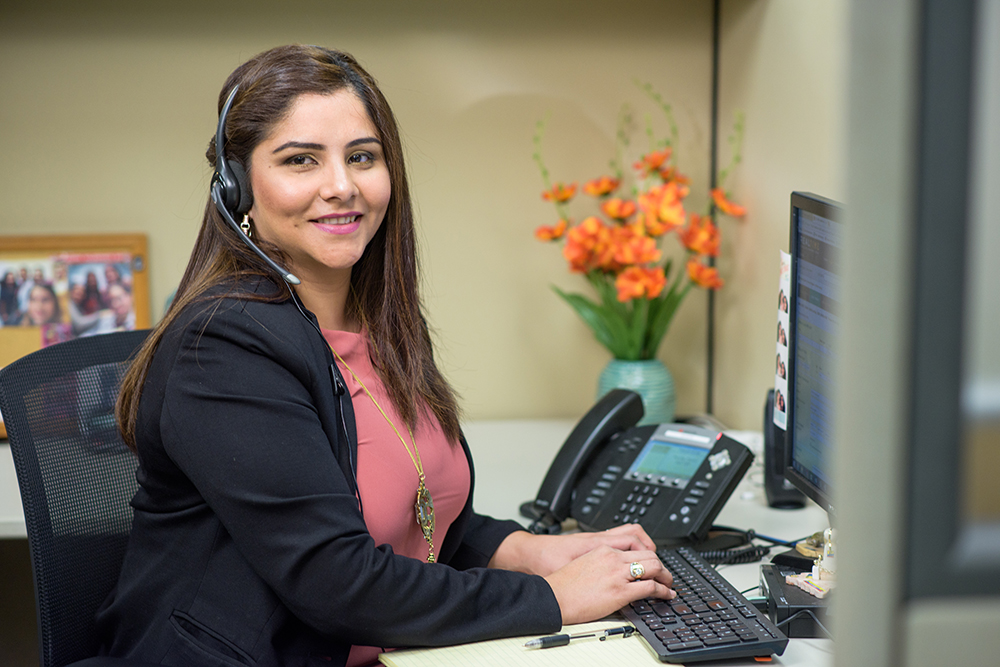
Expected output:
{"points": [[76, 478]]}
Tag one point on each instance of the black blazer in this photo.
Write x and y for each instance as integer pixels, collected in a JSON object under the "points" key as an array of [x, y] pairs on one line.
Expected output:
{"points": [[249, 546]]}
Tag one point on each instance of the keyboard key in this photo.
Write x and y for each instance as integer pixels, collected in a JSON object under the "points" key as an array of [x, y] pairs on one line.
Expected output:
{"points": [[641, 607], [684, 646], [720, 641], [662, 609]]}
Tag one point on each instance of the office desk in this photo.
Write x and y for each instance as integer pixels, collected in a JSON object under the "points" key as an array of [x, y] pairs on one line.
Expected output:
{"points": [[511, 458]]}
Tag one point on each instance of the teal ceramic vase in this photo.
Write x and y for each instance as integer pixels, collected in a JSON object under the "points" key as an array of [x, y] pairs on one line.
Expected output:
{"points": [[650, 379]]}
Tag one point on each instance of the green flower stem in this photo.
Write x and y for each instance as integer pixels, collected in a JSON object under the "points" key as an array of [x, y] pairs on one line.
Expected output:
{"points": [[630, 331], [736, 144], [667, 111], [561, 208]]}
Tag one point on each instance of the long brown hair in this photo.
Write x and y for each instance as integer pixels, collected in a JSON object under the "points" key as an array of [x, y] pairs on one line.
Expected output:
{"points": [[383, 281]]}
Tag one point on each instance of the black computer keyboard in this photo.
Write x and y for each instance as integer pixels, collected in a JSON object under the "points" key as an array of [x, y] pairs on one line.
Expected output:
{"points": [[708, 620]]}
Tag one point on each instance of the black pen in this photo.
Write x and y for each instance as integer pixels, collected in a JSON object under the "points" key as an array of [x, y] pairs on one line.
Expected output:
{"points": [[563, 640]]}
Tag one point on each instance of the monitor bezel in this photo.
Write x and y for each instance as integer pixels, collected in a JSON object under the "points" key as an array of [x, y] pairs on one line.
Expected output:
{"points": [[831, 210]]}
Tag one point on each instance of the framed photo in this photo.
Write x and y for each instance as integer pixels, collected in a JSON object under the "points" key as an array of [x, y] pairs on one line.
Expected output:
{"points": [[54, 288]]}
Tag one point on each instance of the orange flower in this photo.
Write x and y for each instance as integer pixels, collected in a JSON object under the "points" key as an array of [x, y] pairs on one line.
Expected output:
{"points": [[726, 206], [701, 236], [703, 276], [618, 209], [560, 192], [640, 282], [602, 186], [631, 246], [664, 207], [653, 161], [588, 246], [671, 174], [553, 233]]}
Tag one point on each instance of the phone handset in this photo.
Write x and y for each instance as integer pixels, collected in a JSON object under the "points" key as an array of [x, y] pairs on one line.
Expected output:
{"points": [[619, 410]]}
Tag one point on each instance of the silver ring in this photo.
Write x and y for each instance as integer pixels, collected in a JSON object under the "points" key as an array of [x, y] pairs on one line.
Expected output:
{"points": [[636, 570]]}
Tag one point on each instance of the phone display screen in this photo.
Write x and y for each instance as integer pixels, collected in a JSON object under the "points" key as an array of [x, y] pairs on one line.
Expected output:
{"points": [[665, 462]]}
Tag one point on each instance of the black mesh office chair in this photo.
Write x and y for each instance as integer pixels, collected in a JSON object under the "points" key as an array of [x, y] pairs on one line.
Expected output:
{"points": [[76, 479]]}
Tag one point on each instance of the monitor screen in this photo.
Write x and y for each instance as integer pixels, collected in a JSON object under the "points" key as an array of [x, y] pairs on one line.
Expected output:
{"points": [[812, 346]]}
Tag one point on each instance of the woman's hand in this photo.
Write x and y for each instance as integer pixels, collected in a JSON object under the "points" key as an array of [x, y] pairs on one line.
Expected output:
{"points": [[545, 554], [601, 582]]}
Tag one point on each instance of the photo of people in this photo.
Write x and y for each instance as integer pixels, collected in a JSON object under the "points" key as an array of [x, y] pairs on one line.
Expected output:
{"points": [[781, 347], [27, 293], [67, 296], [99, 289]]}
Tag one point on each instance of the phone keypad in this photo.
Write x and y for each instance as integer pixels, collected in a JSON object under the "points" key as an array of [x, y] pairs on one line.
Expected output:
{"points": [[636, 503]]}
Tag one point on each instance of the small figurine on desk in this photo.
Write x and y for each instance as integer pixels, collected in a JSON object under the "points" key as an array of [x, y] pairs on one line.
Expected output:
{"points": [[822, 579]]}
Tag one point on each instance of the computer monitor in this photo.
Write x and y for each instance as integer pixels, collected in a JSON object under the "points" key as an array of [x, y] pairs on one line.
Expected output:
{"points": [[813, 323]]}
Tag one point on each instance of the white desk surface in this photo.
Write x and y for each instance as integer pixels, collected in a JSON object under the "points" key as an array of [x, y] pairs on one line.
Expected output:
{"points": [[511, 457]]}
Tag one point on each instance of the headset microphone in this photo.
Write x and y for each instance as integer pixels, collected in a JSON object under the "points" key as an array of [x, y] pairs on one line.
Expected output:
{"points": [[230, 192]]}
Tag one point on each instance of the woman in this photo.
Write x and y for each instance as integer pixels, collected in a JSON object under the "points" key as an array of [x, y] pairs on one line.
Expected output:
{"points": [[9, 313], [285, 435], [43, 306], [91, 300]]}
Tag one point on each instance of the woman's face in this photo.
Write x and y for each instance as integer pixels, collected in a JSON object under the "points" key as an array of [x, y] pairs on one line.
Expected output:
{"points": [[121, 302], [320, 184], [41, 306]]}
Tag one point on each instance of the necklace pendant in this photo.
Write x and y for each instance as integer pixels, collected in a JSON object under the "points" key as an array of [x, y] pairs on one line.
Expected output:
{"points": [[425, 518]]}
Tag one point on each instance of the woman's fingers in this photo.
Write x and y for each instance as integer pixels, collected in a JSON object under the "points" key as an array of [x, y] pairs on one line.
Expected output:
{"points": [[651, 569], [604, 580], [635, 531]]}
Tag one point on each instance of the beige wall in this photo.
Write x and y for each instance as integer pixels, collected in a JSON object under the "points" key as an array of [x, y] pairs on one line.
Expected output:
{"points": [[105, 115], [784, 63]]}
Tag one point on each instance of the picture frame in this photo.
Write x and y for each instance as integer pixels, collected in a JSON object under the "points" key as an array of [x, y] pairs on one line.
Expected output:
{"points": [[61, 286]]}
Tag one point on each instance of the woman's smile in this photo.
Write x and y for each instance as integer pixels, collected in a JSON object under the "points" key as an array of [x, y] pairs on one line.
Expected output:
{"points": [[339, 224]]}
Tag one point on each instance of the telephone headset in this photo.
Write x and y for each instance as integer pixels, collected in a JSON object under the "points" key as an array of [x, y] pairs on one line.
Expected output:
{"points": [[231, 194], [230, 191]]}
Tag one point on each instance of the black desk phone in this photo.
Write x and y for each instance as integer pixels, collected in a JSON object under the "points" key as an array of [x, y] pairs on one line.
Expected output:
{"points": [[672, 479]]}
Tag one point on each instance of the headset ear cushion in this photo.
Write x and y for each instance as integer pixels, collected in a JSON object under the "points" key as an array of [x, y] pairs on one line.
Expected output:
{"points": [[246, 199]]}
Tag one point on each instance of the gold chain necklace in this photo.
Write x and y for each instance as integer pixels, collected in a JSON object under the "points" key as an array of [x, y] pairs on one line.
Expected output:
{"points": [[424, 506]]}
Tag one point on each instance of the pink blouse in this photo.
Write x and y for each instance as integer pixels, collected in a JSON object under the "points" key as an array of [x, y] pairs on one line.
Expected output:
{"points": [[387, 477]]}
